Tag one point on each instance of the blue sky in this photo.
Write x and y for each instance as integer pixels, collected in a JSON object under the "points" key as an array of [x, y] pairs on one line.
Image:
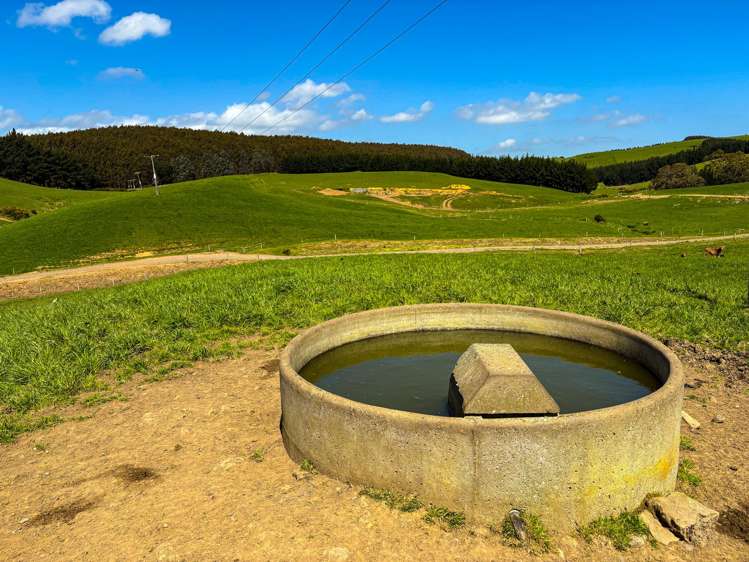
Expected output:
{"points": [[490, 77]]}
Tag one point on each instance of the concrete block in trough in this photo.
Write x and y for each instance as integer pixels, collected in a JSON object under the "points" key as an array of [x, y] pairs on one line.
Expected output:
{"points": [[492, 380]]}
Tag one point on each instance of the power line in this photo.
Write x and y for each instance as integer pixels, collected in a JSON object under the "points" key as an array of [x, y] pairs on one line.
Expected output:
{"points": [[350, 36], [358, 66], [288, 64]]}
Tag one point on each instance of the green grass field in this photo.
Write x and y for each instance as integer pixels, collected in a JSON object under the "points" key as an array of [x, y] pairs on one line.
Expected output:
{"points": [[608, 157], [44, 199], [276, 212], [729, 189], [52, 349]]}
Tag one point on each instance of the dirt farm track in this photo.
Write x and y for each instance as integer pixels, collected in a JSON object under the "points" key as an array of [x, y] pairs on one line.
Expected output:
{"points": [[46, 282]]}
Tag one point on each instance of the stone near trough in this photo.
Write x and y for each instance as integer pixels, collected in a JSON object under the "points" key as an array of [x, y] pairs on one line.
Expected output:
{"points": [[659, 532], [691, 422], [684, 516], [492, 380], [518, 524]]}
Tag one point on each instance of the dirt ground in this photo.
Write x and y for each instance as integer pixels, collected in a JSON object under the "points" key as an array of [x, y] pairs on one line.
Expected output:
{"points": [[193, 468], [333, 192], [39, 283]]}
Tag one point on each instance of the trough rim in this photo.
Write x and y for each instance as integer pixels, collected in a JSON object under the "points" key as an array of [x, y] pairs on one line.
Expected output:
{"points": [[669, 389]]}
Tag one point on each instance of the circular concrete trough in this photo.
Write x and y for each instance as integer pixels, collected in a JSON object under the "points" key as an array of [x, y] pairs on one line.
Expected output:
{"points": [[568, 469]]}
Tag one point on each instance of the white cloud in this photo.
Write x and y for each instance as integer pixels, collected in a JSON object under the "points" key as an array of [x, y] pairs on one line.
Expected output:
{"points": [[361, 115], [88, 120], [613, 99], [135, 27], [599, 117], [117, 72], [295, 121], [616, 118], [538, 145], [349, 117], [255, 119], [351, 100], [628, 120], [330, 124], [410, 115], [507, 143], [309, 89], [9, 118], [535, 107], [62, 13], [40, 130], [97, 118]]}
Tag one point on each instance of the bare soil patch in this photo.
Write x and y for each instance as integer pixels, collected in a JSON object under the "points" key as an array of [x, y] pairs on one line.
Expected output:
{"points": [[396, 200], [62, 514], [333, 192], [193, 468], [447, 204], [39, 283], [130, 474]]}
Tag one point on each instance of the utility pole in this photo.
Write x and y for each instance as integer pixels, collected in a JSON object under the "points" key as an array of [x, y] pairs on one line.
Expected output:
{"points": [[155, 177], [140, 183]]}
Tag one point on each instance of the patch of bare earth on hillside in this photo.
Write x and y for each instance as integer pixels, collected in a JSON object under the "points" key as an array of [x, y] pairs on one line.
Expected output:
{"points": [[111, 277], [333, 192], [398, 201], [145, 266], [193, 468]]}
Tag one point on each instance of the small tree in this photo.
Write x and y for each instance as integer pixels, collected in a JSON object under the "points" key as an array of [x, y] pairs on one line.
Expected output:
{"points": [[730, 168], [676, 175]]}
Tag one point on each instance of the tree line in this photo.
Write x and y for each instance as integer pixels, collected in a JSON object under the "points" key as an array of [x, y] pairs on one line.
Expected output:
{"points": [[644, 170], [109, 157], [21, 160]]}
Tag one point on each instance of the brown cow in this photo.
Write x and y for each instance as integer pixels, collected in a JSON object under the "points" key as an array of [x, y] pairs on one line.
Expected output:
{"points": [[715, 252]]}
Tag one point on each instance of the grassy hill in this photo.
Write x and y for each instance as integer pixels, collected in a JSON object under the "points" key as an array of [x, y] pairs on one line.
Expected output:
{"points": [[43, 199], [598, 159], [278, 211], [608, 157]]}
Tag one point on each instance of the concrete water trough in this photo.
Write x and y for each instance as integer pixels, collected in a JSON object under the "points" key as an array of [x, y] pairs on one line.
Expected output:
{"points": [[569, 468]]}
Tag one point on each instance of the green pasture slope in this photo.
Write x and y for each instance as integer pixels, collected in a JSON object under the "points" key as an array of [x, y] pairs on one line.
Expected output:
{"points": [[44, 199], [643, 188], [281, 211], [51, 349], [608, 157], [727, 189]]}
